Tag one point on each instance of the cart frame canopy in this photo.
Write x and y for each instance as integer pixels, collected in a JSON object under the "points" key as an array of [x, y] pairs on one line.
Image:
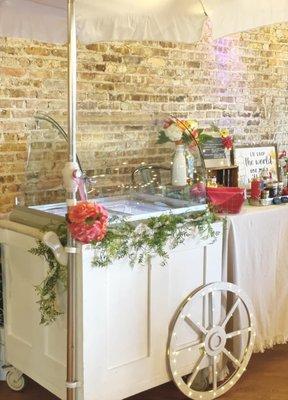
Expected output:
{"points": [[117, 20]]}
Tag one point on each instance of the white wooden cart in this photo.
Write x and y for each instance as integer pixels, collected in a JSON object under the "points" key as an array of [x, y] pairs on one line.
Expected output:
{"points": [[122, 328], [124, 319]]}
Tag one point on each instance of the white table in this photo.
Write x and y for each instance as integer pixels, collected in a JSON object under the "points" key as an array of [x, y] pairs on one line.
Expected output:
{"points": [[258, 263]]}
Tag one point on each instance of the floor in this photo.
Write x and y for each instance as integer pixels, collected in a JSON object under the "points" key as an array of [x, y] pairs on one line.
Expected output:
{"points": [[266, 379]]}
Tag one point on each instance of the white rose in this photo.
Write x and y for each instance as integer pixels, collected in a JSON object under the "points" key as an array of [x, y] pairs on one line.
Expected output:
{"points": [[144, 229], [173, 133]]}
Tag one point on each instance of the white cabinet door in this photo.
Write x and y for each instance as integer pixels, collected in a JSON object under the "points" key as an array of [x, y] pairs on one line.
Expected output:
{"points": [[36, 350], [127, 312]]}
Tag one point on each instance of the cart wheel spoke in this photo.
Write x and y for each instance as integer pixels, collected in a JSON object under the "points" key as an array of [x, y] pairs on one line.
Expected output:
{"points": [[231, 312], [211, 304], [214, 372], [189, 346], [232, 358], [239, 332], [195, 370], [196, 327]]}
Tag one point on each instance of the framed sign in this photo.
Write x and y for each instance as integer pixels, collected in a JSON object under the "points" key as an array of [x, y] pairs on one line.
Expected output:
{"points": [[214, 153], [254, 160]]}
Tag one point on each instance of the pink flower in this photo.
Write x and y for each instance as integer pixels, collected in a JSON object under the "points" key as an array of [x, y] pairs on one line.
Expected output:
{"points": [[87, 234], [167, 122], [195, 134], [84, 210], [227, 142], [87, 222], [198, 190]]}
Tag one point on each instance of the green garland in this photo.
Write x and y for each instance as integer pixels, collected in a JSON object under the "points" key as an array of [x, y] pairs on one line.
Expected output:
{"points": [[136, 241], [56, 277]]}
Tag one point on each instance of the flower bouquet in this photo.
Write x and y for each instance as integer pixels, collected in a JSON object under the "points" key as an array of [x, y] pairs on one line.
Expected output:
{"points": [[187, 132], [182, 132], [224, 133], [187, 135]]}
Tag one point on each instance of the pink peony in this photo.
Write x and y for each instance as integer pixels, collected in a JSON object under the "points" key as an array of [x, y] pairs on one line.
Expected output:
{"points": [[87, 234], [87, 222]]}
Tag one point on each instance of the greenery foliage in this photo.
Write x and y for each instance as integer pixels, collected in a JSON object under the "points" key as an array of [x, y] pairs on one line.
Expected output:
{"points": [[162, 138], [55, 278], [136, 241]]}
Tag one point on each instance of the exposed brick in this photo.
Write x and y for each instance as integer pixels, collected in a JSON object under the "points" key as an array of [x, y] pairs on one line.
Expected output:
{"points": [[111, 58], [125, 90], [37, 51], [12, 71]]}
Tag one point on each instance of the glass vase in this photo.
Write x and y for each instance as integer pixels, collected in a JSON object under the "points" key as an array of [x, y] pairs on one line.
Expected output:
{"points": [[179, 167], [228, 157]]}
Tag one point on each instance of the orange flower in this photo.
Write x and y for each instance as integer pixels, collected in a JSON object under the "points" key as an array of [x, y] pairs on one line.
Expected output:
{"points": [[86, 212], [87, 222]]}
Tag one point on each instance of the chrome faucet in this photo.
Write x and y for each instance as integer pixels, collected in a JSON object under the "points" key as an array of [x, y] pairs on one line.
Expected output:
{"points": [[89, 180], [45, 117]]}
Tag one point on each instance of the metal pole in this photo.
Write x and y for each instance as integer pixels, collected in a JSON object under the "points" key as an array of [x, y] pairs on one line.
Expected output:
{"points": [[71, 383], [72, 79]]}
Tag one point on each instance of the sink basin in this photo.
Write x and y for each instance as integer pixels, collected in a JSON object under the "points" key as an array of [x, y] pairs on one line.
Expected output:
{"points": [[138, 206], [134, 208]]}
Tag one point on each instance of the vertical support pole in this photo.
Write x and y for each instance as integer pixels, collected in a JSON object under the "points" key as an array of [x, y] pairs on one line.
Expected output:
{"points": [[72, 80], [71, 383]]}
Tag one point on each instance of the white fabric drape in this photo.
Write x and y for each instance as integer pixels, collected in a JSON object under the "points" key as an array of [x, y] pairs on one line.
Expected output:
{"points": [[29, 20], [110, 20], [104, 20], [231, 16], [258, 264]]}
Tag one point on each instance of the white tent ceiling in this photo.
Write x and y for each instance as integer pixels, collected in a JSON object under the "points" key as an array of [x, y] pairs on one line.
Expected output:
{"points": [[166, 20]]}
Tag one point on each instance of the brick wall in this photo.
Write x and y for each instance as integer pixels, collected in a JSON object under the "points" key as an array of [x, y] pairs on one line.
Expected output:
{"points": [[124, 92]]}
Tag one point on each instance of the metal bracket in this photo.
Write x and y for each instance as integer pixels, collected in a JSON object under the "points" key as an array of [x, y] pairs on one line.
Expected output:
{"points": [[53, 242], [72, 250], [73, 385]]}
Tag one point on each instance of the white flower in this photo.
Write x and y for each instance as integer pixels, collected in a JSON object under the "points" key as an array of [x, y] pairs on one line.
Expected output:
{"points": [[173, 133], [143, 229], [194, 231]]}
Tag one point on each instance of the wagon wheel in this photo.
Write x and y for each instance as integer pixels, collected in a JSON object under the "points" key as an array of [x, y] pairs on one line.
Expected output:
{"points": [[211, 340]]}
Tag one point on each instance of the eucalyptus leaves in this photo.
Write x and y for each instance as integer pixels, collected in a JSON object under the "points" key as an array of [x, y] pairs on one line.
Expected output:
{"points": [[135, 241]]}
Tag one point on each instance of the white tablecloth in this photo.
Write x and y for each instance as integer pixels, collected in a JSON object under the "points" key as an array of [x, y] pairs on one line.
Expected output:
{"points": [[258, 263]]}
